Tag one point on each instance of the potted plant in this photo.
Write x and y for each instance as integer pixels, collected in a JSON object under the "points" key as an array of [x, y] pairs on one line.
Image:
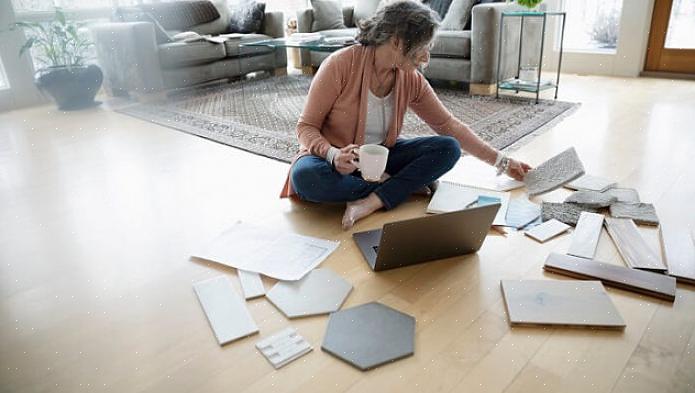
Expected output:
{"points": [[61, 54]]}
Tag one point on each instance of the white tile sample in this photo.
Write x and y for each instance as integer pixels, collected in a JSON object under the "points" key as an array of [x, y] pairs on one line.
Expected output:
{"points": [[225, 309], [251, 284], [320, 292], [554, 173], [283, 347], [586, 235], [591, 183], [678, 251], [547, 230], [631, 245]]}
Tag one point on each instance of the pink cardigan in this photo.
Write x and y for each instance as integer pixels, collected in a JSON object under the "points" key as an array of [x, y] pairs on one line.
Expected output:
{"points": [[335, 111]]}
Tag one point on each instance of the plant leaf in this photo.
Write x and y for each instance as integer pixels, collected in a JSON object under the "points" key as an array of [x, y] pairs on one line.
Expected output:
{"points": [[27, 45]]}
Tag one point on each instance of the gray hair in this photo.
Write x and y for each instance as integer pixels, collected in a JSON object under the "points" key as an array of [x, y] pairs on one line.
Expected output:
{"points": [[412, 22]]}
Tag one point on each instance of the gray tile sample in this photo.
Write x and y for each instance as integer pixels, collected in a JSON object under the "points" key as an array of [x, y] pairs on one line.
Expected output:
{"points": [[251, 284], [554, 173], [591, 183], [628, 195], [283, 347], [631, 245], [521, 212], [591, 198], [586, 235], [226, 311], [563, 303], [640, 213], [320, 292], [370, 335], [564, 212]]}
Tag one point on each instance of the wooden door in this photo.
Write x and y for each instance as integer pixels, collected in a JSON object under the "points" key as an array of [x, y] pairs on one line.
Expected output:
{"points": [[672, 37]]}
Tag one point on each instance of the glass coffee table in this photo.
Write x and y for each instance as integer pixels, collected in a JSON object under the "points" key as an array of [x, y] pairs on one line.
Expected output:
{"points": [[319, 44]]}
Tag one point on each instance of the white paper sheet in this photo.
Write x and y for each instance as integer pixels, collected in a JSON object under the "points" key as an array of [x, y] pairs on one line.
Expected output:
{"points": [[274, 253], [472, 172]]}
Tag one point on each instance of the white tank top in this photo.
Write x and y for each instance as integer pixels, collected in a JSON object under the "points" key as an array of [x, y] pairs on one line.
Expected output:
{"points": [[379, 113]]}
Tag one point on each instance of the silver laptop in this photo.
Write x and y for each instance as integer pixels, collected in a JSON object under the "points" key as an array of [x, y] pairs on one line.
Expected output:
{"points": [[423, 239]]}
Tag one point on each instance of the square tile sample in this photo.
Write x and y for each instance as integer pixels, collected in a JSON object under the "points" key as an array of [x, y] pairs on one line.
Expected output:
{"points": [[283, 347], [521, 212], [370, 335], [251, 284], [547, 230], [563, 303], [641, 213], [554, 173], [627, 195], [320, 292], [226, 311], [593, 199], [564, 212], [586, 235], [591, 183]]}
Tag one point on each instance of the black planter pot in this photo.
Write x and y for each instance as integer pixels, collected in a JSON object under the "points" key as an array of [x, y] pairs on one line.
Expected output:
{"points": [[70, 87]]}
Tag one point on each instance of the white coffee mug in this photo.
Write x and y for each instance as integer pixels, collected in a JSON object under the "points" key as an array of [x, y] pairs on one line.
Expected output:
{"points": [[372, 161]]}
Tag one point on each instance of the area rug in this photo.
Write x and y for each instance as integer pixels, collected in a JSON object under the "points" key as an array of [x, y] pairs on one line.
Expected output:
{"points": [[260, 115]]}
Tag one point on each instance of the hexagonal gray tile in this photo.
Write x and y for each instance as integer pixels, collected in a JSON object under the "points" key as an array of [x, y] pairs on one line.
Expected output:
{"points": [[370, 335], [320, 292]]}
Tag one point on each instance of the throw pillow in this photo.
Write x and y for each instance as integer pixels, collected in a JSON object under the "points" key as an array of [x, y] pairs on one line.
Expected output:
{"points": [[247, 17], [364, 9], [441, 6], [458, 15], [327, 15]]}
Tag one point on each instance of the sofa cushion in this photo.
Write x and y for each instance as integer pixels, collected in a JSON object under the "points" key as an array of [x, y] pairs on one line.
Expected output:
{"points": [[177, 54], [181, 15], [232, 46], [247, 18], [348, 32], [450, 43], [364, 9], [440, 6], [327, 15], [457, 16]]}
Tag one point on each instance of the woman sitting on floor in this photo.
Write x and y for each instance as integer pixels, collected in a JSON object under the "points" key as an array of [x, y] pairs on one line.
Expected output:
{"points": [[359, 96]]}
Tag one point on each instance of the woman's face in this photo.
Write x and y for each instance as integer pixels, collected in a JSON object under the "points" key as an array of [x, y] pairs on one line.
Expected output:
{"points": [[418, 58]]}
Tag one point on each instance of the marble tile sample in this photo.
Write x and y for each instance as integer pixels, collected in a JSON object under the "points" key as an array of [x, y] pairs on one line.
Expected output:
{"points": [[562, 303], [225, 309], [641, 213], [283, 347], [547, 230], [631, 245], [586, 235], [640, 281], [554, 173], [369, 335], [320, 292], [564, 212]]}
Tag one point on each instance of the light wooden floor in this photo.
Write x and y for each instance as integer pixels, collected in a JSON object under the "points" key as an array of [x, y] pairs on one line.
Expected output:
{"points": [[99, 213]]}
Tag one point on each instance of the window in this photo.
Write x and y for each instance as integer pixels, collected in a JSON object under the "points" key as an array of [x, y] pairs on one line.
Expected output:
{"points": [[680, 25], [592, 25], [4, 83]]}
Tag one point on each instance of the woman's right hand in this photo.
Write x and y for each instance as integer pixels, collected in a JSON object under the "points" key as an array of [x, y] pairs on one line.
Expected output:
{"points": [[344, 161]]}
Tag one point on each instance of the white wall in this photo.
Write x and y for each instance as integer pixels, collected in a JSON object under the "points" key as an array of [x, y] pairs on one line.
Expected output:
{"points": [[635, 21]]}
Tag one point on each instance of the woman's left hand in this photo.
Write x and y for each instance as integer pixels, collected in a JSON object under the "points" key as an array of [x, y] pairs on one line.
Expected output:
{"points": [[517, 169]]}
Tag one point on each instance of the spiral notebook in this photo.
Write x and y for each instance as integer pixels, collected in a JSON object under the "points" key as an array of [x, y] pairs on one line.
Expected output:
{"points": [[451, 196]]}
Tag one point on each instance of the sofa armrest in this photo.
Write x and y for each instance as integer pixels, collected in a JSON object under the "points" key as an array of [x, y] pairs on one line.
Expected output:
{"points": [[485, 32], [348, 12], [128, 55], [273, 24], [305, 18]]}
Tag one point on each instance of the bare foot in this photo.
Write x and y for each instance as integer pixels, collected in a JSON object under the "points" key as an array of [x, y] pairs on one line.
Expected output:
{"points": [[360, 209]]}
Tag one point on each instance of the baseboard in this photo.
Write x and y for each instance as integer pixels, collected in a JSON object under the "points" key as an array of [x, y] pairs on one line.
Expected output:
{"points": [[667, 75]]}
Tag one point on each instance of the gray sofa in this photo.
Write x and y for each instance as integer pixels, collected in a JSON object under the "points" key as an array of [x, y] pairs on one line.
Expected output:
{"points": [[457, 55], [133, 62]]}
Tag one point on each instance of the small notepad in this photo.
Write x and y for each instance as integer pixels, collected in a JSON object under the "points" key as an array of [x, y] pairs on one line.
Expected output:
{"points": [[283, 347], [452, 196]]}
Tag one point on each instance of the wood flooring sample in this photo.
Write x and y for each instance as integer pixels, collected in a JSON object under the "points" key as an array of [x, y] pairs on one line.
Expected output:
{"points": [[646, 283], [678, 252], [586, 235], [226, 311], [564, 303], [631, 246], [547, 230], [554, 173]]}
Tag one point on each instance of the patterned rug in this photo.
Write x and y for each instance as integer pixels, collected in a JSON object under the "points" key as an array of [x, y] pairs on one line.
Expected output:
{"points": [[260, 115]]}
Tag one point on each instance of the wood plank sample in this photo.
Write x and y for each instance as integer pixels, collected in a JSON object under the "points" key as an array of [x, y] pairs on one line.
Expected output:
{"points": [[631, 246], [641, 213], [646, 283], [547, 230], [564, 303], [226, 311], [678, 251], [591, 183], [251, 284], [554, 173], [586, 235]]}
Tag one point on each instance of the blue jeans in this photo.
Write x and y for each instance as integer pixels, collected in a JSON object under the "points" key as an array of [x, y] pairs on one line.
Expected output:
{"points": [[412, 164]]}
